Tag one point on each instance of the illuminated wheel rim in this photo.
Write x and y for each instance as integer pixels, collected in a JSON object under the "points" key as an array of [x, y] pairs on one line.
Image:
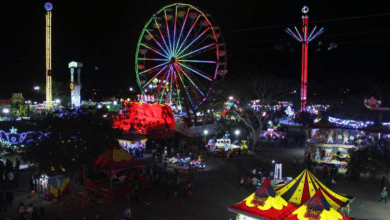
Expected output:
{"points": [[180, 54]]}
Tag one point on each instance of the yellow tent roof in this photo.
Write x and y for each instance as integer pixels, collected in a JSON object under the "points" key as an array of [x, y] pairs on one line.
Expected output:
{"points": [[299, 190]]}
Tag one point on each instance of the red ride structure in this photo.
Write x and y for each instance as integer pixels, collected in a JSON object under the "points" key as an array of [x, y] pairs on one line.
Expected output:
{"points": [[305, 38]]}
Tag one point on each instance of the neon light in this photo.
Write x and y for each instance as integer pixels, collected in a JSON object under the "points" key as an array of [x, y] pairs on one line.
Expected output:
{"points": [[197, 61], [185, 55], [193, 41], [182, 27], [165, 43], [190, 80], [185, 39], [153, 68], [154, 51], [195, 71], [151, 80], [304, 39], [13, 138], [349, 123], [158, 42]]}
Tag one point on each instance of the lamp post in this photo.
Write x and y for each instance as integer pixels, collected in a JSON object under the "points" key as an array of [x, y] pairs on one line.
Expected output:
{"points": [[237, 132], [205, 132], [6, 111]]}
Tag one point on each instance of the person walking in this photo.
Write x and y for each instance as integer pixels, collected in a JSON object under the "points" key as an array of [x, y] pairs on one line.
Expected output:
{"points": [[136, 193], [383, 181], [188, 188], [333, 181], [254, 183], [41, 214], [10, 180], [165, 162], [294, 162], [22, 211], [325, 171], [2, 201], [253, 172], [34, 214], [30, 209], [384, 195], [247, 181], [175, 189], [17, 165], [242, 181], [9, 197], [127, 212], [16, 178], [239, 153], [329, 181], [32, 184]]}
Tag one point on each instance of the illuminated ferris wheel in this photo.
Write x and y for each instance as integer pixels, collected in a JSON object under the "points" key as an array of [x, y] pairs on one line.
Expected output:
{"points": [[180, 54]]}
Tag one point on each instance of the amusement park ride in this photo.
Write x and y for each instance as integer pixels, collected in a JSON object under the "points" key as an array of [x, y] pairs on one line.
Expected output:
{"points": [[49, 102], [305, 38], [180, 54]]}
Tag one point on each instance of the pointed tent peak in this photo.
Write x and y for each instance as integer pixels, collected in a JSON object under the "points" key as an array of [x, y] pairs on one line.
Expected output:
{"points": [[318, 202], [132, 131], [114, 145], [261, 195]]}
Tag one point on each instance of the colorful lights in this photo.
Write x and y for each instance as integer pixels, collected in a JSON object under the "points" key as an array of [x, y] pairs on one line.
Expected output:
{"points": [[304, 39], [170, 57], [349, 123]]}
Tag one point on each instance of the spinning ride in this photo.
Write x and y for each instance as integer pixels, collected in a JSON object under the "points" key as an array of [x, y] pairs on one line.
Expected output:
{"points": [[180, 54]]}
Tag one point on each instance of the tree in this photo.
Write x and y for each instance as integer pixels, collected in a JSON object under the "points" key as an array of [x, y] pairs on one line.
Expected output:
{"points": [[264, 89], [372, 159], [75, 137]]}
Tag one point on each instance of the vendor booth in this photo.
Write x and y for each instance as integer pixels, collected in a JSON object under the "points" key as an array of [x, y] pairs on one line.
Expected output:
{"points": [[53, 184], [133, 142], [328, 144], [112, 162]]}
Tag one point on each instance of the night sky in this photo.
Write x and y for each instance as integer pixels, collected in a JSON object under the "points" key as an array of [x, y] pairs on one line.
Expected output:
{"points": [[104, 33]]}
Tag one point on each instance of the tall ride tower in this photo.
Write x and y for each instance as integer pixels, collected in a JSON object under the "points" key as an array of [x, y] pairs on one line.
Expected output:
{"points": [[305, 38], [49, 102], [75, 89]]}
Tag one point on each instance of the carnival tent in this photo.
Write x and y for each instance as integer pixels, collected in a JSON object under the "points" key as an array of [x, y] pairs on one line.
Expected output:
{"points": [[299, 190], [133, 135], [115, 159], [264, 204], [317, 208]]}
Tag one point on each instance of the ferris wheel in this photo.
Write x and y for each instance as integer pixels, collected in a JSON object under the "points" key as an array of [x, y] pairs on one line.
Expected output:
{"points": [[180, 54]]}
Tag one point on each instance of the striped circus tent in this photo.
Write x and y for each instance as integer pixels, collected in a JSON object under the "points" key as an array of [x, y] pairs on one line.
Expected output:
{"points": [[299, 190], [116, 159], [317, 208], [263, 204]]}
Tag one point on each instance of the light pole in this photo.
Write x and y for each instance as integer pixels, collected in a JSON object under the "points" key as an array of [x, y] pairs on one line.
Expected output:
{"points": [[6, 111], [237, 132], [205, 132]]}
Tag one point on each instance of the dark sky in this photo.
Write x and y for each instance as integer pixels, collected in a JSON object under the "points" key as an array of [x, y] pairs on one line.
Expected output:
{"points": [[104, 33]]}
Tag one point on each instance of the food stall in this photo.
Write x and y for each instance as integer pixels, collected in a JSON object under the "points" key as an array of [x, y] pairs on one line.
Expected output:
{"points": [[53, 184]]}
